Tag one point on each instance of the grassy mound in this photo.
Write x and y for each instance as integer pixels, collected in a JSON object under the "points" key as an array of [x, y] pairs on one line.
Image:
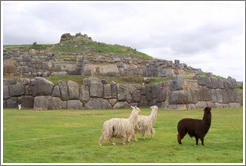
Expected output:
{"points": [[82, 43]]}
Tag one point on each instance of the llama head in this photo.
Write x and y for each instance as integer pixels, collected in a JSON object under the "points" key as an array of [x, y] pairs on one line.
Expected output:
{"points": [[207, 110], [154, 107], [135, 108]]}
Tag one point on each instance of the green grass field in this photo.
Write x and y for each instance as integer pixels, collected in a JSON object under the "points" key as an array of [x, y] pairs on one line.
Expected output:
{"points": [[71, 136]]}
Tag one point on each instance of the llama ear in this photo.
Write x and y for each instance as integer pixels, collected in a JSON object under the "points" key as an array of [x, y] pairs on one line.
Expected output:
{"points": [[207, 109], [132, 107]]}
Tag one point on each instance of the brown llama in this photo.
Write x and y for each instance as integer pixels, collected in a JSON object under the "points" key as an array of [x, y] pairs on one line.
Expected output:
{"points": [[195, 127]]}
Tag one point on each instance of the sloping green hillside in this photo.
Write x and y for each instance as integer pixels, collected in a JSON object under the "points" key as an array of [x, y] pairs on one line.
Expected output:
{"points": [[81, 43]]}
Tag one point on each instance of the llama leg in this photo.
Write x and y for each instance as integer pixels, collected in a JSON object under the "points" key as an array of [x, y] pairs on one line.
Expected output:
{"points": [[202, 141], [111, 141], [196, 141], [134, 137], [129, 138], [143, 133], [152, 132], [101, 140], [123, 139], [180, 136], [179, 139]]}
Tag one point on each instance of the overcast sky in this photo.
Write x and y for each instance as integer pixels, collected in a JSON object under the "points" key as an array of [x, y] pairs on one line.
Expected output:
{"points": [[206, 35]]}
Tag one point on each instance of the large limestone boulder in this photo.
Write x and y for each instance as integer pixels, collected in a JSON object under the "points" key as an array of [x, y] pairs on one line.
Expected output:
{"points": [[201, 104], [143, 102], [136, 96], [16, 89], [119, 105], [98, 103], [11, 102], [73, 90], [113, 86], [74, 105], [107, 91], [63, 90], [177, 83], [155, 90], [84, 93], [6, 94], [42, 87], [233, 82], [4, 104], [204, 93], [178, 97], [148, 92], [56, 92], [169, 73], [54, 103], [40, 103], [96, 87], [122, 92], [177, 107], [9, 67], [214, 82], [112, 101], [162, 94], [225, 96], [192, 95], [27, 101], [191, 106], [234, 105]]}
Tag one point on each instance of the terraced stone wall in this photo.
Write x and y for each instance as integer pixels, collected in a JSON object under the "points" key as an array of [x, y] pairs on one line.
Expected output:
{"points": [[41, 94]]}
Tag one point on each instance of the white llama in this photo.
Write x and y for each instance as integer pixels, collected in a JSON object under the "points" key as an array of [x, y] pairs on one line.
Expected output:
{"points": [[120, 128], [146, 123]]}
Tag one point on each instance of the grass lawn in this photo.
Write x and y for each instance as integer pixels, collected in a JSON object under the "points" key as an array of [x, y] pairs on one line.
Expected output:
{"points": [[71, 136]]}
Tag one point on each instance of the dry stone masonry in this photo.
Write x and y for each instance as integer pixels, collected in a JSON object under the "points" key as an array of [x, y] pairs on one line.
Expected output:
{"points": [[41, 94], [87, 64]]}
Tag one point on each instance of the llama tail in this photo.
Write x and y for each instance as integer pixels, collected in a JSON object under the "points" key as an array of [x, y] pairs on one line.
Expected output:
{"points": [[152, 132]]}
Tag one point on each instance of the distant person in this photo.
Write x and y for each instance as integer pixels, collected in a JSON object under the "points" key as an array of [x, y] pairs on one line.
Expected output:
{"points": [[19, 101]]}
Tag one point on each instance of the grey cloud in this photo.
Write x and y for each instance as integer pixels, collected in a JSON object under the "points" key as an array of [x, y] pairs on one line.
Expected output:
{"points": [[188, 31]]}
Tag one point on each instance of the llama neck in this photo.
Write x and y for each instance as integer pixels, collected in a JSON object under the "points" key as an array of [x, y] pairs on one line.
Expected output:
{"points": [[133, 117], [153, 116], [207, 120]]}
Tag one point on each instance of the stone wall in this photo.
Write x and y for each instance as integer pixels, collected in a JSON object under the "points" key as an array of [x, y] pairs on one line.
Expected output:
{"points": [[88, 64], [41, 94]]}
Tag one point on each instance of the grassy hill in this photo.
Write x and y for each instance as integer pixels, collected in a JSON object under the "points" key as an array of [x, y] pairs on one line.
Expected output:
{"points": [[81, 43]]}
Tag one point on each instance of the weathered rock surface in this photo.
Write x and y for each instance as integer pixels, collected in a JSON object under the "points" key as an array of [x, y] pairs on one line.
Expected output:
{"points": [[73, 90], [96, 87], [84, 93], [40, 103], [122, 92], [98, 103], [74, 105], [121, 105], [43, 87], [177, 83], [56, 92], [63, 90], [16, 89]]}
